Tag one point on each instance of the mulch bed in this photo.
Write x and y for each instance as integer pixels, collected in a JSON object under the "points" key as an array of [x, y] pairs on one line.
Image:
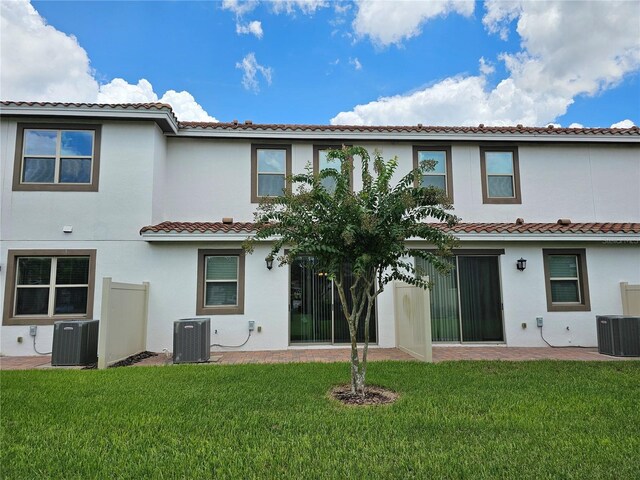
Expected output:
{"points": [[138, 357], [373, 395]]}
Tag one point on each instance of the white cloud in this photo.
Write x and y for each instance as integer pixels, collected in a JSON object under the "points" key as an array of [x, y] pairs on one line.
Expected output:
{"points": [[499, 15], [40, 63], [356, 63], [239, 7], [561, 58], [253, 28], [486, 67], [250, 70], [119, 90], [307, 7], [576, 125], [388, 23], [624, 124], [185, 106], [341, 7], [440, 104]]}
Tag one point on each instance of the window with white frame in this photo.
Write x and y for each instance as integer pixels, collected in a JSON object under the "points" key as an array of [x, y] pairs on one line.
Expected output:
{"points": [[45, 286], [50, 158]]}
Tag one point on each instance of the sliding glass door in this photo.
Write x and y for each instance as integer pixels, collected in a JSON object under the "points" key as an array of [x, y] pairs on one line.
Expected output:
{"points": [[310, 302], [480, 303], [316, 314], [466, 303], [445, 311]]}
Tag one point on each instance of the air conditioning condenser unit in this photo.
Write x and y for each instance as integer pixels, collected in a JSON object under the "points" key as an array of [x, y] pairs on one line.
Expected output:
{"points": [[191, 340], [618, 335], [75, 342]]}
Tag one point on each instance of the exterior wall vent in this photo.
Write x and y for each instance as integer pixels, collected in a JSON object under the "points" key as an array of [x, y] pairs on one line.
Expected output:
{"points": [[191, 337], [75, 342], [618, 335]]}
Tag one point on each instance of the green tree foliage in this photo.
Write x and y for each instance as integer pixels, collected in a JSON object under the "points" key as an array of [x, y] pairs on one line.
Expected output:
{"points": [[367, 229]]}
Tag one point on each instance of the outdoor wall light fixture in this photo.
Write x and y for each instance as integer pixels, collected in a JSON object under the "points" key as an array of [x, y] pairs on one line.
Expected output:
{"points": [[269, 261], [521, 264]]}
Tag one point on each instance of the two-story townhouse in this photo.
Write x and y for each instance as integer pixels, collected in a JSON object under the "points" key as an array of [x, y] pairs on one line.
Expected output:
{"points": [[126, 191]]}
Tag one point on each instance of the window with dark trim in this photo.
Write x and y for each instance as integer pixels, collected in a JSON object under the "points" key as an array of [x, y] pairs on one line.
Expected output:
{"points": [[566, 280], [499, 167], [270, 167], [441, 176], [44, 286], [55, 157], [320, 163], [220, 282]]}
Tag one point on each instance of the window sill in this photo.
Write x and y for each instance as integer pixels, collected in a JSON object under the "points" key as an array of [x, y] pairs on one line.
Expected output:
{"points": [[239, 310], [501, 201], [569, 308], [55, 187], [41, 320]]}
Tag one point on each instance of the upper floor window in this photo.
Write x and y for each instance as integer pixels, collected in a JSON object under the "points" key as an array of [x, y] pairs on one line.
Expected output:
{"points": [[566, 280], [47, 285], [441, 175], [322, 162], [500, 175], [270, 166], [57, 157], [220, 282]]}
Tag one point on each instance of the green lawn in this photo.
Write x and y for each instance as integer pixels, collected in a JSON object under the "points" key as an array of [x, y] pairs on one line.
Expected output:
{"points": [[453, 420]]}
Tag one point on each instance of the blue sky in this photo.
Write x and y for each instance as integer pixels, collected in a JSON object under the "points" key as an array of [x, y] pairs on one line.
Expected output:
{"points": [[310, 61]]}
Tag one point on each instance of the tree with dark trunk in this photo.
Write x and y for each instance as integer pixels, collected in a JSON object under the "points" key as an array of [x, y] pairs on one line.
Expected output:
{"points": [[366, 230]]}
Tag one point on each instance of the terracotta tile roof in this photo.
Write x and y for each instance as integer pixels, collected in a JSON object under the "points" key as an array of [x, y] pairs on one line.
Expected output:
{"points": [[479, 228], [544, 228], [480, 129], [272, 127], [95, 106], [199, 227], [135, 106]]}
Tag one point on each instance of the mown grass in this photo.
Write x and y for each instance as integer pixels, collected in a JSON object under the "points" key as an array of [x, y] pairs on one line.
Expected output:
{"points": [[453, 420]]}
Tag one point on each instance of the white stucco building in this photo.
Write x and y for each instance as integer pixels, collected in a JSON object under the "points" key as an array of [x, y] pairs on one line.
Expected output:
{"points": [[128, 192]]}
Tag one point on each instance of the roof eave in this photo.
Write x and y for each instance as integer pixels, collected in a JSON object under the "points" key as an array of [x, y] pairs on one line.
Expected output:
{"points": [[163, 118], [408, 136], [194, 237], [629, 238], [613, 238]]}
